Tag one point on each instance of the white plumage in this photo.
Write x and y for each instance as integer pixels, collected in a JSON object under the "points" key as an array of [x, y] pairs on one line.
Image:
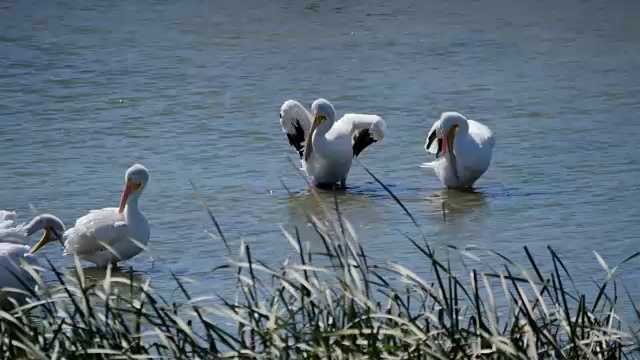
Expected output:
{"points": [[9, 230], [14, 251], [465, 146], [19, 233], [88, 237], [12, 273], [7, 219], [328, 156], [110, 235]]}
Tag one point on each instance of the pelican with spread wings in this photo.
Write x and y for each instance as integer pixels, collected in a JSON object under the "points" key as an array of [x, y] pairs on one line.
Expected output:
{"points": [[327, 146]]}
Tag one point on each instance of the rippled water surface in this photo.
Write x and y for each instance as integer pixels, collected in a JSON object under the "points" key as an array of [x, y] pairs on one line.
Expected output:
{"points": [[192, 90]]}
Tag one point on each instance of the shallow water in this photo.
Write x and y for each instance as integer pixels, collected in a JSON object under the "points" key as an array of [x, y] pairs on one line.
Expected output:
{"points": [[192, 90]]}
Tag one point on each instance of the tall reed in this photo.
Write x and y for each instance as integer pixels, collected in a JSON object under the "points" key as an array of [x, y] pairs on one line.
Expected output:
{"points": [[334, 304]]}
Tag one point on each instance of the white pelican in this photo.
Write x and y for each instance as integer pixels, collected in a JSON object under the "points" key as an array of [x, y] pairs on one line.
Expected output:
{"points": [[327, 157], [113, 227], [7, 219], [465, 147], [14, 251]]}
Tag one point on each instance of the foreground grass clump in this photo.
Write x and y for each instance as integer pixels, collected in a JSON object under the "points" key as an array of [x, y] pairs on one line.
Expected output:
{"points": [[334, 304]]}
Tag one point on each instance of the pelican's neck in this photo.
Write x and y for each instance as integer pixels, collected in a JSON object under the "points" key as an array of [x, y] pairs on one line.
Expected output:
{"points": [[34, 226], [320, 142], [462, 127], [461, 131], [137, 224], [132, 212]]}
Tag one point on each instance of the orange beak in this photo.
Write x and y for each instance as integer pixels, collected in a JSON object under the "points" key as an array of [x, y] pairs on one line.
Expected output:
{"points": [[316, 121], [45, 239], [447, 140], [125, 194], [444, 145]]}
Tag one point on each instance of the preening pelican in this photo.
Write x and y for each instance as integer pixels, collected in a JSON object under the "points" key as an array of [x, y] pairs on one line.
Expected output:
{"points": [[105, 236], [463, 151], [10, 232], [14, 250], [327, 157]]}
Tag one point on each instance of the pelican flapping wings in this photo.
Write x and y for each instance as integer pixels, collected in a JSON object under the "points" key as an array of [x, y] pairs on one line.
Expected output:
{"points": [[326, 146]]}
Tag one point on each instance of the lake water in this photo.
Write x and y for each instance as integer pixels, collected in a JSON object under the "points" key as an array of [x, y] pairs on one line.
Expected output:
{"points": [[192, 90]]}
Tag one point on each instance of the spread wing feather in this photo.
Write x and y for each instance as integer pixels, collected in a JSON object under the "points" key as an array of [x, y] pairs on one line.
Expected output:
{"points": [[364, 129], [295, 121]]}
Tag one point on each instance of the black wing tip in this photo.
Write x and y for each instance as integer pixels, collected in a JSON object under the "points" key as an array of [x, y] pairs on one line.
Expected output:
{"points": [[362, 140], [430, 139], [297, 140]]}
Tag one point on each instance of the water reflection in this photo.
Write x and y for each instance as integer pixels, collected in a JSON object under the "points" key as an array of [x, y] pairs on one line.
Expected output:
{"points": [[357, 205], [456, 203], [319, 202], [124, 280]]}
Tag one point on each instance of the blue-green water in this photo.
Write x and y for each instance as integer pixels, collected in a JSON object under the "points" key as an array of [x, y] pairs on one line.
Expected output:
{"points": [[192, 90]]}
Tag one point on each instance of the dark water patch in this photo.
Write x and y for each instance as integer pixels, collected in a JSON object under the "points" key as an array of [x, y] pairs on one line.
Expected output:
{"points": [[531, 115], [8, 39], [90, 30], [31, 173]]}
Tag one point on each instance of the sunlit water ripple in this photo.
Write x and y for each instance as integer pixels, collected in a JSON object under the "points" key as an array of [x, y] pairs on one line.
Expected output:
{"points": [[192, 90]]}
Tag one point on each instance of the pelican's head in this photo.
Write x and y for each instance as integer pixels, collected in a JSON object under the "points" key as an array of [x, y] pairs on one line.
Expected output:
{"points": [[450, 120], [445, 131], [52, 226], [322, 111], [135, 180]]}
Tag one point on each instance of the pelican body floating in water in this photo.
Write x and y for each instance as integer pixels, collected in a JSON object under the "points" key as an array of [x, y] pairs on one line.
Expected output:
{"points": [[327, 147], [14, 250], [109, 235], [464, 149]]}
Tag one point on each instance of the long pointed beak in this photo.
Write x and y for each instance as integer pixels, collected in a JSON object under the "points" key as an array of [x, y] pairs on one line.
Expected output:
{"points": [[125, 195], [447, 141], [45, 239], [444, 145], [316, 121], [309, 146]]}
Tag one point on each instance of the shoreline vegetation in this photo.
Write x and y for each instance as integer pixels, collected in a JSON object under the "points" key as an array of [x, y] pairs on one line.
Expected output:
{"points": [[333, 304]]}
